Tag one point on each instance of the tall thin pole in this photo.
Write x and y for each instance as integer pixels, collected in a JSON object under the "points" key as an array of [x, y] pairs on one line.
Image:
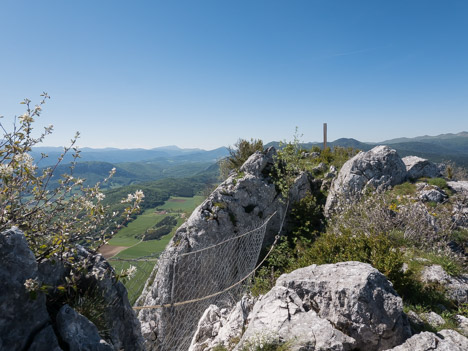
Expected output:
{"points": [[324, 136]]}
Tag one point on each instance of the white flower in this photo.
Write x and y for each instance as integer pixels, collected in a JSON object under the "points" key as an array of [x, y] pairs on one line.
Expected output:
{"points": [[31, 284], [24, 159], [25, 118], [129, 272], [88, 205], [129, 198], [100, 196], [139, 195], [5, 170]]}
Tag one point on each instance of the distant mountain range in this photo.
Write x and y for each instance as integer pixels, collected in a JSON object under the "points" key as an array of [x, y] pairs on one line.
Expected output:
{"points": [[172, 154], [142, 165]]}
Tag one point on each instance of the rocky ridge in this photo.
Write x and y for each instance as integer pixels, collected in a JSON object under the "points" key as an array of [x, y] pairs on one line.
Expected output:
{"points": [[344, 306], [240, 203], [66, 329]]}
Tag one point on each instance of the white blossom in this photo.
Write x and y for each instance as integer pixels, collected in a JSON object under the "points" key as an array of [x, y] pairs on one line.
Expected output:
{"points": [[31, 284], [129, 272], [24, 159], [25, 118], [88, 205], [5, 170], [100, 196], [139, 195]]}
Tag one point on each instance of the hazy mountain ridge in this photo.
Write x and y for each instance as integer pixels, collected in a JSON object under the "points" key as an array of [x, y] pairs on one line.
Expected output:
{"points": [[169, 153], [142, 165]]}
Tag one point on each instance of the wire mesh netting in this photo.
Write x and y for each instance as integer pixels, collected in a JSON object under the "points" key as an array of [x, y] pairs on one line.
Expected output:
{"points": [[193, 280]]}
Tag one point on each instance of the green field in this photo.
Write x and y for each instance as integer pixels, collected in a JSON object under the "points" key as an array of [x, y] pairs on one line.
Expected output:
{"points": [[150, 247], [185, 204], [126, 236], [138, 249]]}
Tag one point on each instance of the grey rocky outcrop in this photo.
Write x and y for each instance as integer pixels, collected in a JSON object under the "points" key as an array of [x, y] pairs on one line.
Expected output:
{"points": [[377, 169], [456, 288], [242, 202], [459, 186], [17, 306], [433, 319], [283, 316], [446, 340], [342, 306], [222, 326], [78, 332], [431, 193], [123, 327], [24, 321], [356, 298], [418, 167]]}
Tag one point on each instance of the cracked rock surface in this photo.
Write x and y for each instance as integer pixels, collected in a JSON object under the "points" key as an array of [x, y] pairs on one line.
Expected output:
{"points": [[377, 169], [343, 306], [446, 340]]}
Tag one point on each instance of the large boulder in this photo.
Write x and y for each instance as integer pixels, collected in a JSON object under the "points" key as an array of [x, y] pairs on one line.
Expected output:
{"points": [[356, 298], [222, 327], [78, 332], [24, 320], [39, 332], [343, 306], [418, 167], [377, 169], [283, 316], [446, 340], [456, 288], [241, 203], [123, 326], [459, 186]]}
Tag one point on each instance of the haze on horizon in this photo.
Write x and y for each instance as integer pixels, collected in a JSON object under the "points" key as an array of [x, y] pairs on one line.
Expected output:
{"points": [[203, 74]]}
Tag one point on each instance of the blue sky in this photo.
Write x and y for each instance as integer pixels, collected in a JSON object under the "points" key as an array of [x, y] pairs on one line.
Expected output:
{"points": [[204, 73]]}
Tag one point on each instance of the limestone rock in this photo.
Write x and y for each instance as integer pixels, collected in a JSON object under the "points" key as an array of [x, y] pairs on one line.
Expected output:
{"points": [[281, 315], [432, 194], [23, 319], [433, 319], [462, 324], [243, 202], [377, 169], [45, 340], [446, 340], [417, 324], [418, 167], [221, 326], [459, 187], [78, 332], [456, 287], [356, 298], [455, 337], [124, 328]]}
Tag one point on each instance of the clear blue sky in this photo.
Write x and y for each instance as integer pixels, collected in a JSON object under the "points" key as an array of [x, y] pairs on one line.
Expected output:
{"points": [[204, 73]]}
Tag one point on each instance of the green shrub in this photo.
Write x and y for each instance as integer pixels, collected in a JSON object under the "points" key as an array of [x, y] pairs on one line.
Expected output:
{"points": [[238, 154], [306, 218], [376, 250], [406, 188]]}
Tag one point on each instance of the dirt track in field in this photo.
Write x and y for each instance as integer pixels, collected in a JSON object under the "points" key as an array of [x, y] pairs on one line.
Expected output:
{"points": [[111, 250]]}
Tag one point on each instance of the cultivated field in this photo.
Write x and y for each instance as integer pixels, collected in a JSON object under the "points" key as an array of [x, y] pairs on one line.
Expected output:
{"points": [[133, 251]]}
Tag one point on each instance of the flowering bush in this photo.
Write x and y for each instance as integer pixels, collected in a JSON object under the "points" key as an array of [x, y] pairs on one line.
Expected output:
{"points": [[53, 219]]}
